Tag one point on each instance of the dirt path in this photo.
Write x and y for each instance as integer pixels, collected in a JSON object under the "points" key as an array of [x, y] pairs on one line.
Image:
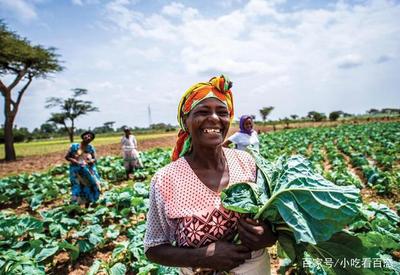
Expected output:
{"points": [[42, 163]]}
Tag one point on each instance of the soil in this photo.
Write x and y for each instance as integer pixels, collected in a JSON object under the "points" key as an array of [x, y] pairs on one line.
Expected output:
{"points": [[42, 163]]}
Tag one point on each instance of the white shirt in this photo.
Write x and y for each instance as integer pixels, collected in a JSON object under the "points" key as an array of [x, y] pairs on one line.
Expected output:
{"points": [[129, 145], [242, 140]]}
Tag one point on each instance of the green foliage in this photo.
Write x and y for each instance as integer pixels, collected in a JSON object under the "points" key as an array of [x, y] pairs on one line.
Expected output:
{"points": [[310, 213], [20, 134], [30, 243], [119, 216], [333, 116], [18, 55], [312, 207], [316, 116]]}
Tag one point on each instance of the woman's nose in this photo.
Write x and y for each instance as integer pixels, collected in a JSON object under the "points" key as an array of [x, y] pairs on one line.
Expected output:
{"points": [[214, 115]]}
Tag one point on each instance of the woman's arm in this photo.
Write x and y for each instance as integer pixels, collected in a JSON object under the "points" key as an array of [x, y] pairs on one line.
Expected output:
{"points": [[70, 158], [220, 255]]}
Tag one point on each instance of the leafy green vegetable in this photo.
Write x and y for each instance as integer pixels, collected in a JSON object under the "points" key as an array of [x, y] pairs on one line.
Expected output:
{"points": [[312, 207], [309, 214]]}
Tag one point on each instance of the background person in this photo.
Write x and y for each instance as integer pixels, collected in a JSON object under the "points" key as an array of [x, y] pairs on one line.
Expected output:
{"points": [[129, 152], [246, 136], [83, 175], [187, 226]]}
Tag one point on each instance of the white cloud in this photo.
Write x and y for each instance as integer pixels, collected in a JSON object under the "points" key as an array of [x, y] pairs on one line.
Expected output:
{"points": [[296, 60], [173, 9], [23, 10], [296, 51]]}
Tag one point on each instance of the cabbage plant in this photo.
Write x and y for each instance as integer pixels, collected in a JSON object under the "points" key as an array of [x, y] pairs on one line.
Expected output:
{"points": [[307, 212]]}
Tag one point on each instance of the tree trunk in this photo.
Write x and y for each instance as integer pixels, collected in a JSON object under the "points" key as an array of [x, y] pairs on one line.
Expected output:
{"points": [[8, 130], [9, 140], [71, 131], [10, 112], [71, 135]]}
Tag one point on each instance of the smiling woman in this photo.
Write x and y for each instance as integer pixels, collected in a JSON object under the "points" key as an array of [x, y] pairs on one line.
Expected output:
{"points": [[246, 137], [208, 122], [187, 226]]}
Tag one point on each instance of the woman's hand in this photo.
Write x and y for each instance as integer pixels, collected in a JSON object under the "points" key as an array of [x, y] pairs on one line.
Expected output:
{"points": [[91, 161], [255, 234], [224, 256]]}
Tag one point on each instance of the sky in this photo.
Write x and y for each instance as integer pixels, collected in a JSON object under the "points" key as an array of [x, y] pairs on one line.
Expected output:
{"points": [[136, 55]]}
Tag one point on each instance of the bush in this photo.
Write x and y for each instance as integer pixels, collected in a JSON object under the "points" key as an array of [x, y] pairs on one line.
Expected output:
{"points": [[20, 135], [334, 115]]}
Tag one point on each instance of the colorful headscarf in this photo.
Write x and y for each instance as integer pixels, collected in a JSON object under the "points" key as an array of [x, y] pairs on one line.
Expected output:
{"points": [[243, 119], [216, 87]]}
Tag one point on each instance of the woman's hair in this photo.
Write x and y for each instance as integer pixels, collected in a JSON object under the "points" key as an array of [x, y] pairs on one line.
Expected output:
{"points": [[90, 133]]}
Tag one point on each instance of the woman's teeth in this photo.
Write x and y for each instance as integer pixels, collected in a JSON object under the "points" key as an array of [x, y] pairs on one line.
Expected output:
{"points": [[211, 130]]}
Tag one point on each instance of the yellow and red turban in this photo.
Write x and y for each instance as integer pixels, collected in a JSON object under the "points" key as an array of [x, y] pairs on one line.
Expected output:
{"points": [[216, 87]]}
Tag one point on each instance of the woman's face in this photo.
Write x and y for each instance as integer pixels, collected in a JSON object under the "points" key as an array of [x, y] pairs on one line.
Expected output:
{"points": [[87, 138], [248, 124], [208, 123]]}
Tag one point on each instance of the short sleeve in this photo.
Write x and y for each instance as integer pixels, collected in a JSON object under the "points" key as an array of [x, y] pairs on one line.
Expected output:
{"points": [[72, 149], [91, 149], [160, 229]]}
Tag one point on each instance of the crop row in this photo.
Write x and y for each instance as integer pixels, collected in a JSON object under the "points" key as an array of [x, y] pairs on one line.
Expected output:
{"points": [[31, 242], [367, 154]]}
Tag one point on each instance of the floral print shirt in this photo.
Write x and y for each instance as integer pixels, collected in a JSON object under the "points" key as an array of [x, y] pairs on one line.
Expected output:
{"points": [[184, 211]]}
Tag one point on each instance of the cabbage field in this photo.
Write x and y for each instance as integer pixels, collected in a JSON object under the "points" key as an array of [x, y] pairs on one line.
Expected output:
{"points": [[41, 233]]}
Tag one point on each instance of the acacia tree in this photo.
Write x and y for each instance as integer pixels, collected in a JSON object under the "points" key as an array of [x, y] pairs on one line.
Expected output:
{"points": [[265, 111], [70, 109], [20, 63]]}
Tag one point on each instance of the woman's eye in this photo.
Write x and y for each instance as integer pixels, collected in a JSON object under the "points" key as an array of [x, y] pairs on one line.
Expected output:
{"points": [[223, 113]]}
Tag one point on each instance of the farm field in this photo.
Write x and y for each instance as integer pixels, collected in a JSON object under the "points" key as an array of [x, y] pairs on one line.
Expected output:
{"points": [[60, 144], [41, 233], [42, 161]]}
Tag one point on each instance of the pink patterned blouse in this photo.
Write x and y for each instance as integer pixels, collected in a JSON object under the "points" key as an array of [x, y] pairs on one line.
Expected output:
{"points": [[185, 212]]}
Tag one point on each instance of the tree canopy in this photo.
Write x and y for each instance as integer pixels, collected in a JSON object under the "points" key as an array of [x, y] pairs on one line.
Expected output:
{"points": [[316, 116], [333, 116], [18, 56], [265, 111]]}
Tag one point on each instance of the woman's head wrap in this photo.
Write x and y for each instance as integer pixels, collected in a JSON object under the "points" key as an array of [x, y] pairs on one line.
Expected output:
{"points": [[216, 87], [243, 119]]}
